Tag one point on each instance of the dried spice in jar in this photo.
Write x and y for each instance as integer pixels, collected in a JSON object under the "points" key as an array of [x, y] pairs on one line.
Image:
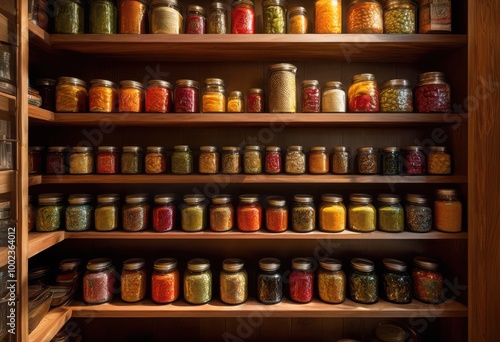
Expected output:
{"points": [[434, 16], [276, 214], [328, 16], [390, 213], [198, 282], [221, 213], [133, 15], [196, 20], [298, 21], [341, 160], [35, 159], [193, 213], [282, 88], [333, 98], [318, 160], [332, 213], [249, 213], [47, 89], [99, 281], [155, 161], [432, 93], [367, 160], [103, 16], [363, 94], [427, 280], [414, 160], [208, 160], [214, 96], [331, 281], [69, 16], [396, 96], [363, 281], [164, 213], [182, 160], [231, 160], [50, 212], [365, 16], [418, 214], [255, 100], [217, 18], [301, 280], [71, 95], [107, 212], [55, 160], [361, 214], [107, 160], [303, 213], [79, 213], [235, 102], [165, 17], [186, 96], [269, 281], [103, 96], [133, 280], [272, 160], [131, 160], [391, 161], [438, 161], [274, 16], [252, 159], [242, 17], [135, 213], [295, 160], [400, 17], [131, 97], [233, 282], [81, 160], [311, 96], [447, 211], [165, 281], [159, 97], [396, 282]]}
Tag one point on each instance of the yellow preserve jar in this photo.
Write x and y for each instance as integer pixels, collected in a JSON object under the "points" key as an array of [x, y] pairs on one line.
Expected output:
{"points": [[133, 280], [298, 21], [439, 161], [328, 16], [363, 94], [447, 211], [103, 96], [71, 95], [362, 215], [332, 213], [235, 102], [214, 96]]}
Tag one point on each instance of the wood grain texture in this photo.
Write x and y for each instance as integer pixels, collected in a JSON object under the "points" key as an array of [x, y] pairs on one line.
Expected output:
{"points": [[38, 113], [38, 242], [7, 181], [50, 325]]}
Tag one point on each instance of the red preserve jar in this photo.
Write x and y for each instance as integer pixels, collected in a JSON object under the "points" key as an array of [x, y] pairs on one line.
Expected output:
{"points": [[363, 94], [272, 158], [99, 281], [310, 96], [249, 213], [432, 93], [55, 160], [301, 281], [243, 17], [164, 213], [196, 21], [186, 96], [107, 160], [255, 100], [414, 160], [165, 281], [159, 97]]}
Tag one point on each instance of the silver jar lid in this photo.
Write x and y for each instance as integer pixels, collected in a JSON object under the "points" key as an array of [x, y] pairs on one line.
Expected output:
{"points": [[310, 83], [99, 264], [106, 83], [109, 149], [198, 9], [131, 84], [134, 264], [331, 264], [231, 149], [208, 149], [362, 265], [394, 265], [341, 149], [273, 149], [72, 80], [252, 148], [363, 77], [269, 264], [334, 84], [283, 67], [332, 198], [390, 149], [302, 198], [198, 265], [317, 149], [397, 82], [82, 149], [301, 264], [249, 198], [165, 264], [426, 263], [295, 148], [181, 148], [232, 265], [193, 199], [416, 198], [276, 201], [221, 199], [136, 198], [360, 198], [160, 83], [389, 199], [255, 91], [155, 149], [79, 199], [297, 11], [235, 93], [187, 83], [108, 198], [131, 149], [214, 81], [164, 198], [50, 198]]}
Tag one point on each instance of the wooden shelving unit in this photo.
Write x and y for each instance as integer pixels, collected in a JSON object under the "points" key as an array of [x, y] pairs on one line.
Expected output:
{"points": [[38, 242], [41, 114], [7, 179], [50, 325]]}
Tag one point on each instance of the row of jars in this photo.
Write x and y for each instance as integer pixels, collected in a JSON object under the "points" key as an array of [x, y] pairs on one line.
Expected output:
{"points": [[168, 17], [332, 215]]}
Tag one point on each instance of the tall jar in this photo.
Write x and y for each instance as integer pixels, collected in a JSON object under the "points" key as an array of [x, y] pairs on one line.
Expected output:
{"points": [[400, 17], [193, 213], [269, 281], [231, 160], [186, 96], [318, 160], [447, 211], [221, 213], [233, 282], [390, 213], [252, 159], [255, 100], [107, 212], [328, 16], [341, 160], [276, 214], [311, 96], [182, 160], [55, 160], [396, 282], [79, 213], [414, 160], [363, 94], [99, 281], [301, 281], [391, 161], [418, 214], [303, 214], [165, 281], [333, 98], [131, 97], [133, 280], [272, 160], [298, 21], [365, 16], [249, 213], [103, 96], [155, 161], [235, 102], [427, 280], [196, 20], [131, 160], [363, 281], [332, 213], [47, 89], [133, 16], [242, 17], [198, 282], [367, 161], [208, 160], [81, 160], [396, 96], [71, 95], [432, 93], [214, 96], [331, 281], [282, 88], [164, 213], [217, 18], [135, 213], [165, 17], [274, 16], [434, 16], [295, 160], [69, 16], [438, 161], [50, 212], [361, 214], [103, 17], [159, 97]]}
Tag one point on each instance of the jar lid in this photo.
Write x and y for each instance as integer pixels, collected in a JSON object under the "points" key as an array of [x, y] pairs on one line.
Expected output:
{"points": [[416, 198], [341, 149], [413, 148], [331, 264], [239, 2], [181, 148], [99, 264], [45, 81], [367, 149], [252, 148], [438, 149], [217, 5], [249, 198], [362, 265], [390, 333], [198, 265], [221, 199], [390, 149], [394, 4], [161, 2], [131, 149], [283, 67], [235, 93], [269, 264], [72, 80], [363, 77], [69, 264], [165, 264], [301, 264], [255, 91], [79, 198], [105, 83], [301, 198], [136, 198], [82, 149], [230, 148], [426, 263], [208, 149], [310, 83], [214, 81], [295, 148], [389, 198], [318, 149], [276, 201], [50, 198], [446, 192], [273, 149], [360, 198], [164, 198], [192, 199], [297, 10], [232, 265], [131, 84], [160, 83], [107, 149], [195, 8], [108, 198], [56, 149], [155, 149], [397, 82], [187, 83], [332, 198], [36, 148], [274, 3], [134, 264], [431, 77], [334, 84], [394, 265]]}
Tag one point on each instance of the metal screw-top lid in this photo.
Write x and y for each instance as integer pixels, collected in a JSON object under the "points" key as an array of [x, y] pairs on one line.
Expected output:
{"points": [[367, 149], [108, 198], [181, 148], [198, 9], [136, 198], [341, 149], [389, 198], [397, 82], [360, 198], [249, 198], [164, 198], [165, 264], [193, 199], [155, 149], [106, 83], [160, 83], [56, 149], [295, 148], [332, 198], [233, 265], [301, 198], [131, 149], [301, 264], [214, 81], [217, 5], [297, 11], [45, 81], [273, 149], [208, 149], [82, 149], [221, 199], [187, 83], [283, 67], [255, 91], [310, 83], [236, 93], [446, 192], [363, 77], [107, 149], [79, 199], [198, 265], [269, 264], [334, 84], [131, 84], [318, 149], [69, 264], [438, 149], [331, 264], [391, 149], [252, 148], [426, 263], [274, 3], [134, 264], [390, 333], [394, 265], [413, 148], [231, 148], [362, 265], [416, 199], [276, 201], [72, 80], [99, 264], [431, 76], [50, 198]]}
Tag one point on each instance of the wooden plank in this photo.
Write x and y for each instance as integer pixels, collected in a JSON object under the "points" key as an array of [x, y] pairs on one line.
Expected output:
{"points": [[38, 113], [7, 179], [38, 242], [50, 325], [34, 180]]}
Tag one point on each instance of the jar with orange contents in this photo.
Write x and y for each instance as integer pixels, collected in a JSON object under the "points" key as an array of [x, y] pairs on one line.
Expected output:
{"points": [[249, 213], [276, 214], [71, 95], [365, 16], [298, 21], [159, 97], [318, 160], [214, 96], [447, 211], [133, 16], [103, 96], [328, 16], [131, 97], [165, 281]]}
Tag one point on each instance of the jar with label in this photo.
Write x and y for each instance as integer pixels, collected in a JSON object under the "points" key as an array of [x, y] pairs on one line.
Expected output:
{"points": [[242, 17], [135, 213], [414, 160], [396, 282], [365, 16], [390, 213], [391, 161], [193, 213], [231, 160], [396, 96], [198, 282], [447, 211], [31, 214], [427, 280], [159, 97], [69, 16], [233, 282], [182, 160], [103, 96], [81, 160], [363, 281], [295, 160], [165, 281], [165, 17], [269, 281], [235, 102], [252, 159], [133, 280], [318, 160], [272, 160], [434, 16], [71, 95], [438, 161], [418, 214], [103, 16], [331, 281], [208, 160], [400, 17], [282, 88], [361, 214], [303, 214], [217, 18], [107, 212], [107, 160], [341, 160], [196, 20], [55, 160], [99, 281], [155, 161], [328, 16], [255, 100], [214, 96], [47, 89], [301, 280], [186, 95], [332, 213], [363, 94], [131, 160], [131, 97], [432, 93], [221, 213], [298, 21], [35, 157], [274, 16], [367, 161], [79, 213], [276, 214], [164, 213], [249, 213], [311, 96], [333, 98], [133, 16]]}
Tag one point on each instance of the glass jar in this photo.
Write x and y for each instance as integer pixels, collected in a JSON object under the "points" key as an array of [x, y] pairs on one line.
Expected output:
{"points": [[221, 213], [301, 280], [333, 98], [427, 280], [31, 214], [39, 14], [396, 96], [231, 160], [165, 281], [242, 17], [252, 159], [131, 97], [208, 160], [135, 213], [196, 20], [438, 161], [159, 97], [107, 212], [272, 160], [269, 281], [164, 213], [182, 160], [47, 89], [103, 16], [367, 160], [361, 214], [331, 281], [418, 214], [298, 21], [363, 94], [365, 16], [81, 160], [79, 213], [69, 16], [400, 17], [332, 213], [35, 157], [186, 95], [217, 18], [233, 282], [447, 211], [198, 282], [102, 96], [396, 282], [414, 160], [318, 160], [214, 96], [432, 93], [133, 280], [282, 88], [328, 16], [131, 160], [99, 281], [166, 17], [235, 102], [55, 160], [310, 96], [391, 161], [155, 161], [434, 16], [133, 16], [69, 275], [193, 213], [303, 213], [274, 16], [276, 214], [107, 160], [255, 100], [390, 213], [249, 213], [71, 95], [363, 281], [295, 160], [341, 160]]}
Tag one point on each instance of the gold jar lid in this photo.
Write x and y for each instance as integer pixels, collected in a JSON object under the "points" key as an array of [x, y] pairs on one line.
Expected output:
{"points": [[232, 265], [396, 83], [332, 198], [231, 149], [134, 264], [71, 80], [107, 149], [82, 149], [197, 9], [276, 201], [79, 199], [341, 149], [208, 149], [416, 199], [334, 84], [105, 83], [155, 149], [99, 264], [389, 199], [273, 149], [214, 81], [394, 265], [235, 93], [181, 148], [390, 149], [131, 84], [50, 198], [331, 264], [164, 198], [301, 198], [310, 83], [249, 198], [426, 263], [294, 148], [221, 199], [108, 198], [283, 67], [187, 83], [363, 77], [136, 198], [255, 91], [131, 149], [362, 265], [317, 149], [165, 264], [69, 264], [198, 265], [58, 149], [366, 150], [301, 264], [399, 4], [159, 83], [242, 2], [360, 198], [193, 199]]}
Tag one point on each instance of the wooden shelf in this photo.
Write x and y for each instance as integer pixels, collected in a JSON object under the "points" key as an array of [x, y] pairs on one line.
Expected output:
{"points": [[50, 325], [38, 36], [7, 179], [38, 113], [3, 256], [9, 96], [38, 242], [34, 180]]}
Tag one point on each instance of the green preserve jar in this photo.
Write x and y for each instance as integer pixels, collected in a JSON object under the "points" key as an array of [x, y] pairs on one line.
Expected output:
{"points": [[69, 16], [390, 213], [103, 15], [50, 212], [182, 160], [79, 213], [107, 212], [193, 213], [198, 281]]}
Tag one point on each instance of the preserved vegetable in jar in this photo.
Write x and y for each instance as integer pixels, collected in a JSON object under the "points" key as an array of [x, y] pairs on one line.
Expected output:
{"points": [[55, 160], [69, 16], [298, 21], [295, 160], [332, 213], [301, 280], [159, 97], [81, 160], [331, 281], [242, 17], [214, 96], [186, 96], [208, 160], [235, 102], [365, 16], [155, 161], [432, 93], [217, 18], [318, 160], [107, 212], [396, 96], [131, 160], [272, 160], [164, 213], [196, 20], [341, 160], [328, 16], [418, 214], [427, 280], [71, 95], [107, 160], [103, 96], [193, 213], [165, 281], [50, 212], [252, 159], [135, 213], [434, 16], [47, 89], [198, 282], [333, 98], [396, 282], [303, 213], [361, 215], [282, 88], [99, 281], [221, 213], [363, 94], [255, 100], [363, 281], [400, 17], [182, 160], [274, 15], [269, 281], [79, 213], [367, 160], [165, 17], [391, 161], [233, 282], [390, 213], [310, 96], [102, 17], [133, 15], [249, 213], [231, 160], [414, 160], [276, 214], [438, 161], [133, 280], [131, 97], [447, 211]]}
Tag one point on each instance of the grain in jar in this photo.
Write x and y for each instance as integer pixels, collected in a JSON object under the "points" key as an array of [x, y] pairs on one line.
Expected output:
{"points": [[367, 160], [81, 160], [233, 282], [252, 159], [159, 97], [396, 282], [303, 213], [301, 280], [99, 281], [282, 88], [155, 161], [165, 17], [391, 160], [341, 160], [311, 96], [103, 95], [196, 20], [255, 100], [107, 212], [396, 96], [418, 213], [269, 281], [447, 211], [182, 160], [218, 18], [165, 281], [298, 21], [361, 214], [242, 17], [69, 16], [438, 161], [249, 213], [214, 96], [363, 94], [133, 16], [274, 16], [50, 212], [414, 161], [390, 213], [55, 160], [427, 280], [400, 17], [365, 16], [434, 16], [432, 93], [363, 281], [295, 160], [328, 16], [221, 213], [331, 281], [235, 102], [133, 280], [318, 160], [276, 214], [272, 160], [333, 98], [131, 97], [208, 160], [71, 95], [164, 213], [193, 213], [198, 282], [332, 213], [135, 213], [131, 160], [231, 160], [186, 96], [79, 213], [103, 16]]}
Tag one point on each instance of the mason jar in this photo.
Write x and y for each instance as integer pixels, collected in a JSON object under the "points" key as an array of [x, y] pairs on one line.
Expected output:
{"points": [[214, 96], [159, 97], [333, 98], [367, 161], [361, 214], [221, 213], [303, 213], [363, 281], [133, 16], [69, 16], [165, 17], [103, 96], [400, 17], [363, 94], [396, 96], [295, 160], [186, 96], [208, 160], [81, 160], [182, 160], [165, 281], [418, 213], [438, 161], [133, 280], [79, 213], [218, 18], [311, 96], [447, 211], [131, 160], [272, 160], [396, 282], [391, 161], [155, 161], [328, 16], [103, 15], [107, 212], [196, 20], [242, 17], [332, 213], [427, 280], [135, 213], [235, 102], [71, 95], [55, 160], [432, 93], [164, 213], [414, 162], [269, 281], [131, 97], [233, 282], [282, 88], [331, 281], [301, 281], [276, 214], [198, 282], [231, 160], [249, 213], [298, 20], [341, 160], [252, 159], [99, 281], [255, 100], [318, 160], [193, 213], [365, 16], [274, 16], [390, 213]]}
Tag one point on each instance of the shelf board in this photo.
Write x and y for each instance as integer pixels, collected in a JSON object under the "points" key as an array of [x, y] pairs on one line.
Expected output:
{"points": [[263, 47], [38, 36], [38, 241], [3, 256], [50, 325], [34, 180], [6, 95], [38, 113], [7, 181]]}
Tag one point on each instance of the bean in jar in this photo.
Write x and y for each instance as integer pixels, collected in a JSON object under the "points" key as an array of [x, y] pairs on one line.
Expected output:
{"points": [[439, 161], [295, 160], [269, 281], [99, 281], [155, 161], [233, 282], [242, 17], [328, 16], [252, 160], [331, 281], [249, 213], [272, 160], [282, 88], [196, 20], [298, 21], [107, 212], [255, 100], [182, 160], [303, 213], [427, 280], [193, 213], [103, 96], [135, 213], [198, 282], [186, 96], [363, 94], [165, 281], [432, 93], [165, 17], [400, 17], [231, 160], [363, 281], [414, 160], [81, 160], [447, 211], [418, 214], [164, 213], [133, 15], [131, 97], [341, 160], [208, 160], [133, 280], [396, 96], [367, 160], [390, 213], [221, 213], [274, 15], [217, 18], [79, 213], [396, 282], [276, 214], [71, 95], [332, 213], [310, 96], [333, 98], [361, 215], [301, 280], [159, 97], [365, 16]]}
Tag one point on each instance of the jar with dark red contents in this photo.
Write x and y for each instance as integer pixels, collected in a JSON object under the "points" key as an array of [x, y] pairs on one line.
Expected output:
{"points": [[186, 96], [432, 93], [255, 100], [414, 160], [164, 213], [107, 160], [159, 97], [55, 160], [155, 161], [35, 158], [363, 94], [301, 281], [427, 280], [249, 213], [99, 281], [242, 17], [272, 160], [276, 214], [196, 20], [311, 94], [47, 89]]}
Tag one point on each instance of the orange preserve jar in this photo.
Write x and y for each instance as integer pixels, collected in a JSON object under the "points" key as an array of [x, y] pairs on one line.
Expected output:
{"points": [[318, 160], [165, 281], [249, 213], [131, 97], [365, 16], [159, 97], [133, 15], [133, 280], [447, 211], [71, 95], [103, 96], [276, 214], [298, 21], [328, 16]]}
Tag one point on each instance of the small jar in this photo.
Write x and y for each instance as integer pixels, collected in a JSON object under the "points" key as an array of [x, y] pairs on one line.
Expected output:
{"points": [[298, 21], [165, 17], [252, 159], [103, 16], [99, 281], [272, 160], [131, 160], [361, 214], [391, 161], [102, 96], [390, 213], [31, 214], [341, 160], [333, 98], [214, 96], [331, 281], [311, 96], [231, 160], [438, 161], [318, 160], [269, 281], [35, 158], [432, 93], [155, 161], [133, 280], [196, 20], [107, 160], [434, 16], [55, 160], [79, 213], [301, 281], [235, 102], [165, 281], [221, 213], [193, 213], [418, 214], [363, 281], [71, 95], [396, 96], [233, 282], [69, 16], [131, 97], [363, 94], [198, 282], [400, 17], [274, 16], [396, 282], [295, 160], [133, 16], [414, 160], [328, 16], [81, 161], [276, 214], [367, 161], [242, 17], [217, 18], [365, 16], [303, 214], [164, 213], [208, 160], [135, 213], [69, 275], [186, 95], [255, 100], [427, 280], [159, 97], [107, 212], [249, 213], [182, 160], [47, 89], [332, 213], [282, 88], [447, 211]]}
